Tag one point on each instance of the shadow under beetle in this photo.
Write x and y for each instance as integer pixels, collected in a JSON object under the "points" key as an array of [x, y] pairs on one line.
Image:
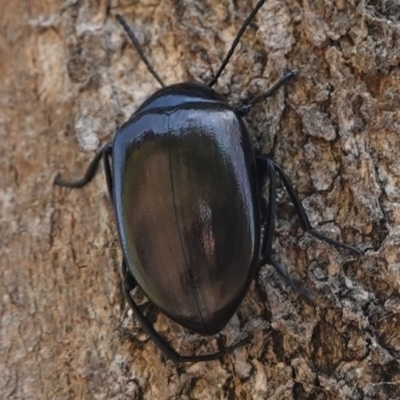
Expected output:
{"points": [[186, 190]]}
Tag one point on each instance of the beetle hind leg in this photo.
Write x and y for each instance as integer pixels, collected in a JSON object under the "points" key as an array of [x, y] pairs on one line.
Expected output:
{"points": [[129, 283]]}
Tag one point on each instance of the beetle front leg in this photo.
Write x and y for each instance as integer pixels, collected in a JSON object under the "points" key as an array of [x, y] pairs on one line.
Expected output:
{"points": [[90, 172], [247, 105], [129, 283]]}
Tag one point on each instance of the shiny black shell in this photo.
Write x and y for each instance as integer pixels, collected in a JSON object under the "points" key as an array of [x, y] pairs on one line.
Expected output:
{"points": [[187, 205]]}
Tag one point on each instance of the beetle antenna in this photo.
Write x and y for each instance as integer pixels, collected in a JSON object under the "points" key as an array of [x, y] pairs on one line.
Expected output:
{"points": [[236, 42], [139, 49]]}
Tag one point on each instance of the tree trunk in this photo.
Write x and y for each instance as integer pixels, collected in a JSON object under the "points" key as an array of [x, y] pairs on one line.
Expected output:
{"points": [[70, 78]]}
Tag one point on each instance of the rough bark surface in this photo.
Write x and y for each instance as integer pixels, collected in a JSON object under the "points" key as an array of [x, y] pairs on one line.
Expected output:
{"points": [[69, 78]]}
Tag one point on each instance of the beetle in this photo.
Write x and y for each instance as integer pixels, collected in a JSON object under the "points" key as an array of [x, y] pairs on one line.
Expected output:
{"points": [[185, 185]]}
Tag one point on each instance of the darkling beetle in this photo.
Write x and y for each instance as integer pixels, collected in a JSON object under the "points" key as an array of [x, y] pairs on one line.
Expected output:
{"points": [[186, 190]]}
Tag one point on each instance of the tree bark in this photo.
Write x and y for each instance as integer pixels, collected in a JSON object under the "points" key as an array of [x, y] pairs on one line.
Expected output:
{"points": [[70, 78]]}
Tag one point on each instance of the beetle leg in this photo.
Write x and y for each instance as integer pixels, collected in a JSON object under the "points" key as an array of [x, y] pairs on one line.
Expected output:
{"points": [[90, 172], [107, 169], [129, 283], [266, 166], [294, 283], [301, 212], [248, 104]]}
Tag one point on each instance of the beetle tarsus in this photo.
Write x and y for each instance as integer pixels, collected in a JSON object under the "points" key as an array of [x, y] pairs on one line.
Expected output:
{"points": [[335, 243], [294, 283]]}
